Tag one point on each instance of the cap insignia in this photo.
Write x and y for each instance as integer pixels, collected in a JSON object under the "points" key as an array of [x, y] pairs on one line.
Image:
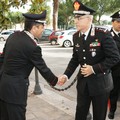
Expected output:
{"points": [[76, 6], [119, 14]]}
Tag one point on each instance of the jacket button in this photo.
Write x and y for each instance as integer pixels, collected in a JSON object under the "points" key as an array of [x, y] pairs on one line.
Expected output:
{"points": [[83, 50]]}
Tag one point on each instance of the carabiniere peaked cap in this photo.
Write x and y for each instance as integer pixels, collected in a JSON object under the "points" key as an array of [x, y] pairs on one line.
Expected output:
{"points": [[116, 16], [38, 18], [80, 9]]}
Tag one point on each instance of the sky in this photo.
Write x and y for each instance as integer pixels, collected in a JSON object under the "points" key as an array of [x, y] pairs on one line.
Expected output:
{"points": [[26, 7], [23, 9]]}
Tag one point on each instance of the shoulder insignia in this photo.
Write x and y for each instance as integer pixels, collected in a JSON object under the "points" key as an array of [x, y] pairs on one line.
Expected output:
{"points": [[77, 32], [101, 29], [112, 34], [92, 30]]}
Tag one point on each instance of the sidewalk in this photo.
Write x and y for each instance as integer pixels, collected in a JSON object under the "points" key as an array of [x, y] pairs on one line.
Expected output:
{"points": [[49, 105], [39, 109], [52, 106]]}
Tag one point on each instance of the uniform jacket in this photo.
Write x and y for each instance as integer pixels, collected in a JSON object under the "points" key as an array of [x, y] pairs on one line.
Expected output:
{"points": [[116, 68], [19, 57], [98, 50]]}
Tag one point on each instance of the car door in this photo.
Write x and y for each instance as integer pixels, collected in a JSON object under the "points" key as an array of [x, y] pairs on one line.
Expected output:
{"points": [[46, 34]]}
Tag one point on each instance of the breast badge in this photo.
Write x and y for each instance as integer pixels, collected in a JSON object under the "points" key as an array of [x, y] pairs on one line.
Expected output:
{"points": [[95, 44], [93, 54]]}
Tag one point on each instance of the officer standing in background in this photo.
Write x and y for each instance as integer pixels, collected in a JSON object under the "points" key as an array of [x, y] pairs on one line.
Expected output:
{"points": [[96, 52], [114, 94], [20, 55]]}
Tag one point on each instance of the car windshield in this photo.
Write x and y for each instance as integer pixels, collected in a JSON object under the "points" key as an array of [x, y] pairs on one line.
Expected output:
{"points": [[58, 33], [47, 32], [71, 33], [6, 33]]}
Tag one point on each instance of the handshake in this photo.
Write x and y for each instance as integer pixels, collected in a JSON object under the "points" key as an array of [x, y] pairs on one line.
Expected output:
{"points": [[62, 79]]}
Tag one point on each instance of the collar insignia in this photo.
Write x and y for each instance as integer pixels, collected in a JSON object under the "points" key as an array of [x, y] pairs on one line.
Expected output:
{"points": [[77, 45], [112, 34]]}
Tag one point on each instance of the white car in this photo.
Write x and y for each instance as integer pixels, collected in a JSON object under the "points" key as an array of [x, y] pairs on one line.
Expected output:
{"points": [[5, 34], [66, 38]]}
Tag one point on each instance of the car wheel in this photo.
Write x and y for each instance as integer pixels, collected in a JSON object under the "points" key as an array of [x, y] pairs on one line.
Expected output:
{"points": [[2, 39], [67, 43], [53, 42]]}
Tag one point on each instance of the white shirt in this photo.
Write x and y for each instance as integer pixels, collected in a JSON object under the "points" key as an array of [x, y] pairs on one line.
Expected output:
{"points": [[86, 33], [116, 32], [31, 36]]}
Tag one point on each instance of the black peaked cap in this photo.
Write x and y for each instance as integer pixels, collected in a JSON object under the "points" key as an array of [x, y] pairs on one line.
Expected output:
{"points": [[81, 9], [116, 16], [40, 18]]}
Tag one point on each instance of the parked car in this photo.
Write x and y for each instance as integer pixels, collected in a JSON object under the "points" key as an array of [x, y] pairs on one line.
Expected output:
{"points": [[45, 35], [71, 28], [54, 36], [65, 39], [5, 34]]}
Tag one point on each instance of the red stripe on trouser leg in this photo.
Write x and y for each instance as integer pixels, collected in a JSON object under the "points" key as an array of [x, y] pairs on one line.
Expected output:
{"points": [[109, 104]]}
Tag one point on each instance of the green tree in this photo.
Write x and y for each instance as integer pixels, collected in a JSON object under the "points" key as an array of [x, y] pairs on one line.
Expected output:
{"points": [[38, 8], [65, 13], [102, 7], [15, 18], [5, 5]]}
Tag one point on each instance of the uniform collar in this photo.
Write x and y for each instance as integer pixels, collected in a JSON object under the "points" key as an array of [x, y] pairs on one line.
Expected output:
{"points": [[31, 36], [115, 31], [86, 33]]}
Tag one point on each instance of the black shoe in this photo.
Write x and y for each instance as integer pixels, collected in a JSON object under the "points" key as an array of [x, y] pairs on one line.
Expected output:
{"points": [[111, 115], [89, 116]]}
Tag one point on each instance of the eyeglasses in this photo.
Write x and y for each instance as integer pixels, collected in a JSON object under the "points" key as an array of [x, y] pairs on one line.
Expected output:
{"points": [[38, 26], [79, 17]]}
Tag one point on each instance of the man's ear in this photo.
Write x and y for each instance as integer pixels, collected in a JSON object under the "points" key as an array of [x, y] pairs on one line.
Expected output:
{"points": [[34, 28]]}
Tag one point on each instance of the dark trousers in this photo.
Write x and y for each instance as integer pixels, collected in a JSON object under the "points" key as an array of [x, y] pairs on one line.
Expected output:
{"points": [[114, 94], [99, 104], [12, 111]]}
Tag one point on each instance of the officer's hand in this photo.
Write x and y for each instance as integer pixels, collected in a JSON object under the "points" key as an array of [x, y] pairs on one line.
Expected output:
{"points": [[86, 70], [62, 79]]}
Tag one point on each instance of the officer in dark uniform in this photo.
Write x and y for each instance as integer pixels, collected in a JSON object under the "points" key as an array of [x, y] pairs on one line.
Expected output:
{"points": [[114, 94], [20, 55], [95, 52]]}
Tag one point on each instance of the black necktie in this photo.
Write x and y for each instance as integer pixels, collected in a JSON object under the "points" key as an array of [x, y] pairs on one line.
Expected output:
{"points": [[83, 36]]}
